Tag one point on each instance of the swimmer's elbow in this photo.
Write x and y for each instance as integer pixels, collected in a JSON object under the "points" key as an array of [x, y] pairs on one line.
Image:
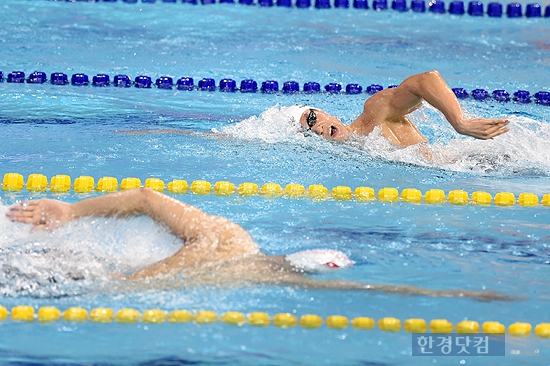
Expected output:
{"points": [[429, 76], [433, 73], [144, 193], [147, 196], [142, 199], [417, 83]]}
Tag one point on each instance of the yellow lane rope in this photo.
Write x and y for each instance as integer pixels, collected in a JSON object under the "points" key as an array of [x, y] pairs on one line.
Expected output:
{"points": [[60, 183], [47, 314]]}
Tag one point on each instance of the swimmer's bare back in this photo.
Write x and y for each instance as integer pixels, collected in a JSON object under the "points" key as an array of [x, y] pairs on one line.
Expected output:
{"points": [[215, 251]]}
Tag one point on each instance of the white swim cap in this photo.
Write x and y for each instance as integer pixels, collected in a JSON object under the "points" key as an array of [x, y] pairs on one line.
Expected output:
{"points": [[319, 260], [295, 112]]}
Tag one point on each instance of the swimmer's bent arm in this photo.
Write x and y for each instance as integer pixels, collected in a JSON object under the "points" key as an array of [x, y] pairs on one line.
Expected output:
{"points": [[205, 237], [182, 219], [394, 104]]}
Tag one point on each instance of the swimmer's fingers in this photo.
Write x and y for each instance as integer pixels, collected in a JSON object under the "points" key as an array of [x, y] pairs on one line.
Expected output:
{"points": [[26, 212], [498, 124], [498, 132], [494, 131], [484, 129], [23, 206], [500, 121], [495, 128], [44, 214]]}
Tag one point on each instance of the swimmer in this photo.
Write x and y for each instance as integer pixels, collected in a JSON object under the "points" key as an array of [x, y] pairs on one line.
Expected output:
{"points": [[215, 251], [389, 109]]}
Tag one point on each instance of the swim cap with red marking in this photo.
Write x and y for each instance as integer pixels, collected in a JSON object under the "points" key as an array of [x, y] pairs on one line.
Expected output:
{"points": [[319, 260]]}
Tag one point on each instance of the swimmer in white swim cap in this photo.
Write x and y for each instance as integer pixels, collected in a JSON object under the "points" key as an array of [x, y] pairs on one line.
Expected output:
{"points": [[214, 250], [389, 109], [319, 260]]}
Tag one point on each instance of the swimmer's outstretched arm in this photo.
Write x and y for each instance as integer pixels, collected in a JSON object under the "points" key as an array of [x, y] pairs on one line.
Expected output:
{"points": [[307, 282], [394, 104]]}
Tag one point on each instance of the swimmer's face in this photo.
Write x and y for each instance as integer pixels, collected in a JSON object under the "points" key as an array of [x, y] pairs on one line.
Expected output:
{"points": [[324, 124]]}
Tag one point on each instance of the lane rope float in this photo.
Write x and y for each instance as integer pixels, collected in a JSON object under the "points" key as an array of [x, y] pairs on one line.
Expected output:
{"points": [[14, 182], [456, 7], [48, 314], [187, 83]]}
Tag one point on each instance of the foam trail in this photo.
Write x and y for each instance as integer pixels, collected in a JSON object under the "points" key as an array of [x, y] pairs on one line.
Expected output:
{"points": [[524, 150], [271, 126], [70, 259]]}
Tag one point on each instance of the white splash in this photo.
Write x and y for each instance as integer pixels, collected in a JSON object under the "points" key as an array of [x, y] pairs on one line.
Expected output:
{"points": [[71, 258], [524, 150], [271, 126]]}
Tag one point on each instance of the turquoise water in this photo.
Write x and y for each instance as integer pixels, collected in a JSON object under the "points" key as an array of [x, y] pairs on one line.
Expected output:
{"points": [[241, 137]]}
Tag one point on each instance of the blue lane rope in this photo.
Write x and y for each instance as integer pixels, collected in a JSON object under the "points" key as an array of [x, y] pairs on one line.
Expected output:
{"points": [[475, 8], [251, 86]]}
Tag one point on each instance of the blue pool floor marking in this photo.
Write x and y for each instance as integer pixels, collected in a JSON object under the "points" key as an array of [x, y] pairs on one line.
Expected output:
{"points": [[456, 7], [250, 86]]}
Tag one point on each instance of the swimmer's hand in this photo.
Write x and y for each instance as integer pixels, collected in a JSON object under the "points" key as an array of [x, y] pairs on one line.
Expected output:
{"points": [[479, 296], [44, 214], [482, 128]]}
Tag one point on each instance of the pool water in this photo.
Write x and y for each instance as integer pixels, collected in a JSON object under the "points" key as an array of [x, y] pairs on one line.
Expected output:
{"points": [[240, 138]]}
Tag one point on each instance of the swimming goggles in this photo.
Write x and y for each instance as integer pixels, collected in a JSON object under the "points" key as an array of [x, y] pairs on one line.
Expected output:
{"points": [[311, 118]]}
